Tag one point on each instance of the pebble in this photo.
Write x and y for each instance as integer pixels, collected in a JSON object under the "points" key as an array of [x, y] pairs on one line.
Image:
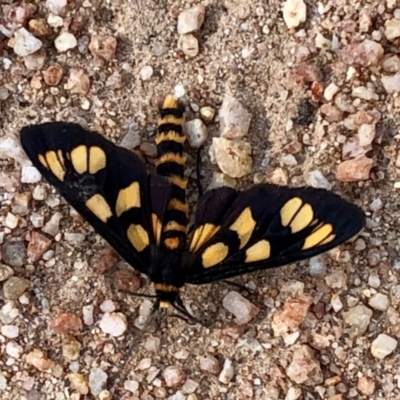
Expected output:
{"points": [[55, 21], [392, 29], [182, 354], [330, 91], [70, 348], [14, 287], [103, 260], [52, 226], [243, 310], [66, 323], [39, 360], [39, 192], [294, 13], [196, 132], [78, 81], [233, 157], [331, 113], [304, 367], [209, 364], [382, 346], [65, 41], [336, 302], [189, 45], [37, 246], [207, 113], [14, 253], [30, 174], [103, 48], [133, 137], [379, 302], [145, 363], [318, 266], [3, 382], [39, 27], [317, 180], [57, 7], [79, 382], [366, 385], [289, 318], [152, 344], [358, 318], [227, 372], [125, 279], [131, 386], [293, 393], [10, 331], [179, 91], [366, 134], [108, 306], [74, 239], [87, 313], [146, 73], [13, 349], [173, 376], [10, 147], [364, 54], [234, 119], [25, 43], [52, 75], [189, 386], [114, 324], [391, 83], [97, 381], [364, 93], [357, 169], [11, 221], [5, 272], [191, 20]]}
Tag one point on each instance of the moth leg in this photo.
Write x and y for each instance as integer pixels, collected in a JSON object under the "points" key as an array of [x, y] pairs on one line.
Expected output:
{"points": [[238, 286]]}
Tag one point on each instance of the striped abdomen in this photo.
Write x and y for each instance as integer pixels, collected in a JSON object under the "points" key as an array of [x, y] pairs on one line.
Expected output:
{"points": [[171, 164]]}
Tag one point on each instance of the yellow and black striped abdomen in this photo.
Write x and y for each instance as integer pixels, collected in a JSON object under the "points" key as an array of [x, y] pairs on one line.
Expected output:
{"points": [[171, 165]]}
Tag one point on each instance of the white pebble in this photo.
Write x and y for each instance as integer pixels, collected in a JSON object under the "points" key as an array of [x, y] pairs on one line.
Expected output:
{"points": [[97, 381], [383, 345], [108, 306], [317, 180], [30, 174], [131, 386], [294, 13], [65, 41], [227, 372], [196, 132], [240, 307], [11, 221], [25, 43], [114, 324], [13, 349], [87, 312], [146, 73], [10, 331], [190, 20], [379, 302], [179, 91]]}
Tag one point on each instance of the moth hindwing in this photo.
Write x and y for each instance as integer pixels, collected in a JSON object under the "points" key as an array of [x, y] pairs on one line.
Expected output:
{"points": [[144, 216]]}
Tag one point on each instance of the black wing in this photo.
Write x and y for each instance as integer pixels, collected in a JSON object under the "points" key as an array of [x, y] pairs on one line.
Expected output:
{"points": [[105, 183], [237, 232]]}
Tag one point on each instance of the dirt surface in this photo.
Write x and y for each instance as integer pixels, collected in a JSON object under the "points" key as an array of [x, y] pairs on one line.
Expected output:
{"points": [[315, 335]]}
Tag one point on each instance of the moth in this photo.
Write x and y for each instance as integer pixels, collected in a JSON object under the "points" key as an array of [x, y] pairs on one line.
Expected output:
{"points": [[144, 216]]}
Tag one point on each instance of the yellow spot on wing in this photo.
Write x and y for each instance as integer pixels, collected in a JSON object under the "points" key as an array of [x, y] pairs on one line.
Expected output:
{"points": [[171, 135], [174, 226], [79, 159], [178, 181], [42, 161], [157, 227], [328, 239], [172, 243], [61, 158], [98, 206], [172, 157], [214, 254], [176, 204], [289, 210], [128, 198], [97, 159], [138, 236], [203, 234], [258, 252], [318, 237], [244, 226], [302, 219], [163, 287], [55, 165]]}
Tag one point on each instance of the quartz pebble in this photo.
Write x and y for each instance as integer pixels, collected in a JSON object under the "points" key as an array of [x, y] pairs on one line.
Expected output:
{"points": [[227, 372], [293, 393], [57, 7], [97, 381], [78, 81], [234, 119], [379, 302], [65, 41], [5, 272], [103, 48], [146, 73], [241, 308], [358, 318], [25, 43], [191, 20], [383, 345], [317, 180], [392, 29], [189, 45], [131, 386], [304, 367], [39, 360], [391, 83], [13, 349], [30, 174], [115, 324], [196, 132], [87, 313], [294, 13], [52, 226], [173, 376], [209, 364]]}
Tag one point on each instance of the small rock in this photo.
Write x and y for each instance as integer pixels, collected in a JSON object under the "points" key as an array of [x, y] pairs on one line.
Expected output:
{"points": [[233, 157], [306, 73], [191, 20], [336, 302], [5, 272], [196, 132], [10, 147], [78, 81], [289, 318], [25, 43], [114, 81], [358, 318], [58, 7], [234, 119], [364, 93], [52, 226], [189, 45], [11, 221], [125, 279], [366, 385], [14, 350], [53, 75], [97, 381], [14, 287], [391, 83], [227, 372], [294, 13], [379, 302], [241, 308], [103, 48], [131, 386], [331, 113], [149, 149], [189, 386], [391, 64], [65, 41], [173, 376], [10, 331], [357, 169], [30, 174], [182, 354], [133, 137], [14, 253], [317, 180], [87, 313], [152, 343], [146, 73], [145, 363], [392, 29], [39, 193], [55, 21], [79, 382], [37, 246], [383, 345], [293, 393], [304, 367], [207, 113], [330, 91], [39, 360], [74, 239], [318, 266], [209, 364], [103, 260], [364, 54], [179, 91], [115, 324], [366, 134], [66, 323], [70, 348], [39, 27]]}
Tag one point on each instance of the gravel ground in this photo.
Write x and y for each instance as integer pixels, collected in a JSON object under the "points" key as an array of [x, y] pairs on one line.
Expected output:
{"points": [[320, 82]]}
